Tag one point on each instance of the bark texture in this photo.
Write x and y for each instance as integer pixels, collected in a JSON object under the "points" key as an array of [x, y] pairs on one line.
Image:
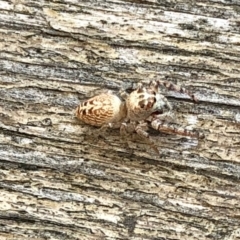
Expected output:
{"points": [[58, 180]]}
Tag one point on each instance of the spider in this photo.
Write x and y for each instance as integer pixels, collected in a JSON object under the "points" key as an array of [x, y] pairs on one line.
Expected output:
{"points": [[142, 107]]}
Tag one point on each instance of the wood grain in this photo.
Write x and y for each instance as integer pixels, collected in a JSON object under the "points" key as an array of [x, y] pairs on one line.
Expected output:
{"points": [[60, 179]]}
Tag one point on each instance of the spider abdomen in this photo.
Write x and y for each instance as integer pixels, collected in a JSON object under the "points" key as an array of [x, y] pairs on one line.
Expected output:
{"points": [[101, 109]]}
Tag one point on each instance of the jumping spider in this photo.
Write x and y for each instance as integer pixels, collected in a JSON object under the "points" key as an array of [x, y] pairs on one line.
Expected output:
{"points": [[143, 106]]}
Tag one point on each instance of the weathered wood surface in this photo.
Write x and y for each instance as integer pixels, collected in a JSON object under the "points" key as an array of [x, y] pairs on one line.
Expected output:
{"points": [[58, 181]]}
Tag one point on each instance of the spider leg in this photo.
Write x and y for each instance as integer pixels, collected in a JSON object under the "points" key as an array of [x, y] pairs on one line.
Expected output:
{"points": [[103, 129], [172, 87], [172, 128], [145, 135], [123, 129], [167, 116], [140, 129], [123, 94], [127, 128]]}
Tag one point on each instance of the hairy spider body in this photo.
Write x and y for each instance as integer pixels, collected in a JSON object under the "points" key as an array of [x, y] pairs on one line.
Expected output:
{"points": [[145, 101], [143, 106], [102, 109]]}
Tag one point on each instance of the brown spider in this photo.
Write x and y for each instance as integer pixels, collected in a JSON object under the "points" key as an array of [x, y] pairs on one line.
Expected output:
{"points": [[141, 107]]}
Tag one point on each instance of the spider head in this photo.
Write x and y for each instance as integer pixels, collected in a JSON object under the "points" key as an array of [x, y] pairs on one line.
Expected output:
{"points": [[143, 102]]}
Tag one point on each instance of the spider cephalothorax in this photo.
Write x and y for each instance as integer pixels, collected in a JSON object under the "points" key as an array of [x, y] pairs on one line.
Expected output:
{"points": [[145, 101], [144, 105]]}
